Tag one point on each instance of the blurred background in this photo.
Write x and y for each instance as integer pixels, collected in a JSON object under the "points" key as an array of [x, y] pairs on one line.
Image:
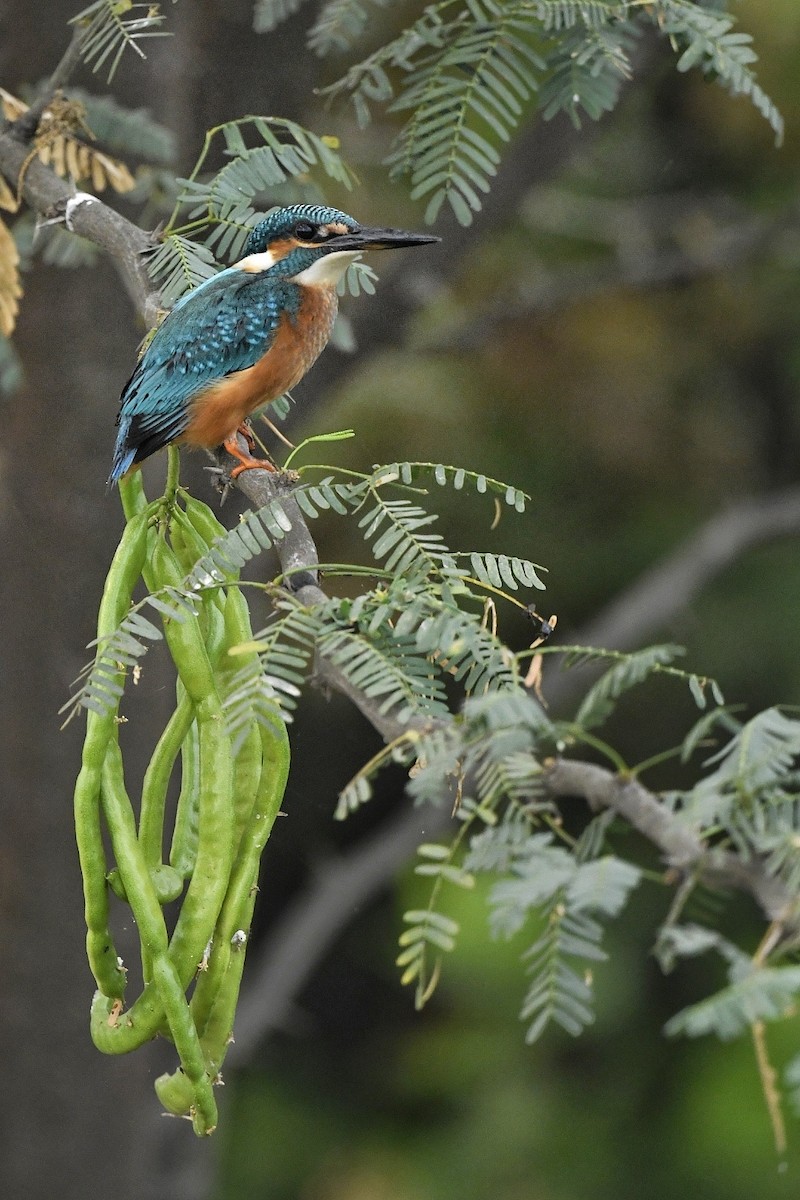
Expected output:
{"points": [[617, 335]]}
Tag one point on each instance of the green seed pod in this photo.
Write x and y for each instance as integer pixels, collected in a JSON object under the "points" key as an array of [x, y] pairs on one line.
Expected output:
{"points": [[101, 731]]}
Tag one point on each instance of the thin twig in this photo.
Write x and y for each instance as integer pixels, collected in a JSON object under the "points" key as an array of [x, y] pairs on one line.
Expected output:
{"points": [[26, 124], [679, 845], [769, 1086]]}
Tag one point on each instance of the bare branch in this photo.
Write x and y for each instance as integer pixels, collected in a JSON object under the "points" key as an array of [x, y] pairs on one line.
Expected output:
{"points": [[678, 843], [668, 588], [83, 214]]}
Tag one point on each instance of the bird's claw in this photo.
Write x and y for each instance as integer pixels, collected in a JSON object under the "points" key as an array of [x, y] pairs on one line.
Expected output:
{"points": [[222, 482]]}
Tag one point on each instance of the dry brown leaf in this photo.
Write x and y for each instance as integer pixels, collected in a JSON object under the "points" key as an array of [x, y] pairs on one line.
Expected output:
{"points": [[11, 105], [60, 149], [8, 200], [10, 287]]}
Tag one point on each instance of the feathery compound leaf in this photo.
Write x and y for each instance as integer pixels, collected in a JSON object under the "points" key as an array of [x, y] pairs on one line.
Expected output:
{"points": [[388, 669], [751, 766], [269, 14], [633, 669], [765, 994], [396, 531], [587, 69], [339, 24], [285, 650], [690, 941], [767, 831], [459, 644], [10, 286], [548, 880], [501, 571], [466, 71], [109, 33], [447, 476], [178, 265], [556, 15], [498, 847], [545, 879], [601, 886], [428, 932], [431, 932], [464, 98], [284, 151], [709, 42], [559, 993]]}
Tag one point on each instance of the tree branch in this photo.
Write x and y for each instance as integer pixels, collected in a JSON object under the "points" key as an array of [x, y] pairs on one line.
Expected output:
{"points": [[83, 214], [679, 845]]}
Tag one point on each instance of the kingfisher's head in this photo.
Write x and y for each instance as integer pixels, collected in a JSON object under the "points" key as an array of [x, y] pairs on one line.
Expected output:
{"points": [[315, 244]]}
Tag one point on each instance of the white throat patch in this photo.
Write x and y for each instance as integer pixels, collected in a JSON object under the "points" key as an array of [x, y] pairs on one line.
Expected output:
{"points": [[256, 263], [327, 270]]}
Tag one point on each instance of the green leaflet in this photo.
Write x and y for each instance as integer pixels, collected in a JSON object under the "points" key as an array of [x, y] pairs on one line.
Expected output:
{"points": [[467, 72]]}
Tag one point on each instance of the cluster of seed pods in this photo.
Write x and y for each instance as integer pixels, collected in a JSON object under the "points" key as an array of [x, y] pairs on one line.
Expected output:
{"points": [[229, 799]]}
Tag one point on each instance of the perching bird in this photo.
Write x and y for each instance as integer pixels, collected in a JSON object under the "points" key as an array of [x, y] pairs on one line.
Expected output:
{"points": [[245, 336]]}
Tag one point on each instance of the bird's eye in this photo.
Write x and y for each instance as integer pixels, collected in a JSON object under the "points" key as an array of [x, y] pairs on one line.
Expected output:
{"points": [[305, 231]]}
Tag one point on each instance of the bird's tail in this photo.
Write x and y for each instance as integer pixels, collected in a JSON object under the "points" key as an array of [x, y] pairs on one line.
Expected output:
{"points": [[123, 454]]}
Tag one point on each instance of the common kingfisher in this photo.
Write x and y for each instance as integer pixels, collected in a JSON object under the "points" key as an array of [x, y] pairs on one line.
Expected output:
{"points": [[245, 336]]}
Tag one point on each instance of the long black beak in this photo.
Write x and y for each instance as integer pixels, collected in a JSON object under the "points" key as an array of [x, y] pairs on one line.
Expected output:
{"points": [[379, 239]]}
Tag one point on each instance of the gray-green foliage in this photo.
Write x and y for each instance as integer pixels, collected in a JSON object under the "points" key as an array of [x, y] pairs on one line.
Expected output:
{"points": [[418, 644], [110, 28], [464, 73]]}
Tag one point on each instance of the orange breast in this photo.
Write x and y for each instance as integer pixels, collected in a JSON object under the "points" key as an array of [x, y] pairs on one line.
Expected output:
{"points": [[218, 411]]}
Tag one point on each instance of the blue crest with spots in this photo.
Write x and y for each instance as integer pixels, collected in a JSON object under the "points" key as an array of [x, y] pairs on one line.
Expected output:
{"points": [[282, 222]]}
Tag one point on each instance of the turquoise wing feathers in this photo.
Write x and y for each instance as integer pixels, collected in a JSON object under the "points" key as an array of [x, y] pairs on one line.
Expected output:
{"points": [[225, 325]]}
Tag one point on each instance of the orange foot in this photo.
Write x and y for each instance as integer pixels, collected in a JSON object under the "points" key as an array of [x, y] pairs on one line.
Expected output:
{"points": [[247, 433], [246, 461]]}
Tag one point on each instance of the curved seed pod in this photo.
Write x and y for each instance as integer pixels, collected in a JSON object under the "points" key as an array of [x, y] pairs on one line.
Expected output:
{"points": [[101, 730], [132, 495], [225, 813], [157, 777], [203, 519], [153, 933], [183, 851], [247, 766], [216, 992], [209, 881]]}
